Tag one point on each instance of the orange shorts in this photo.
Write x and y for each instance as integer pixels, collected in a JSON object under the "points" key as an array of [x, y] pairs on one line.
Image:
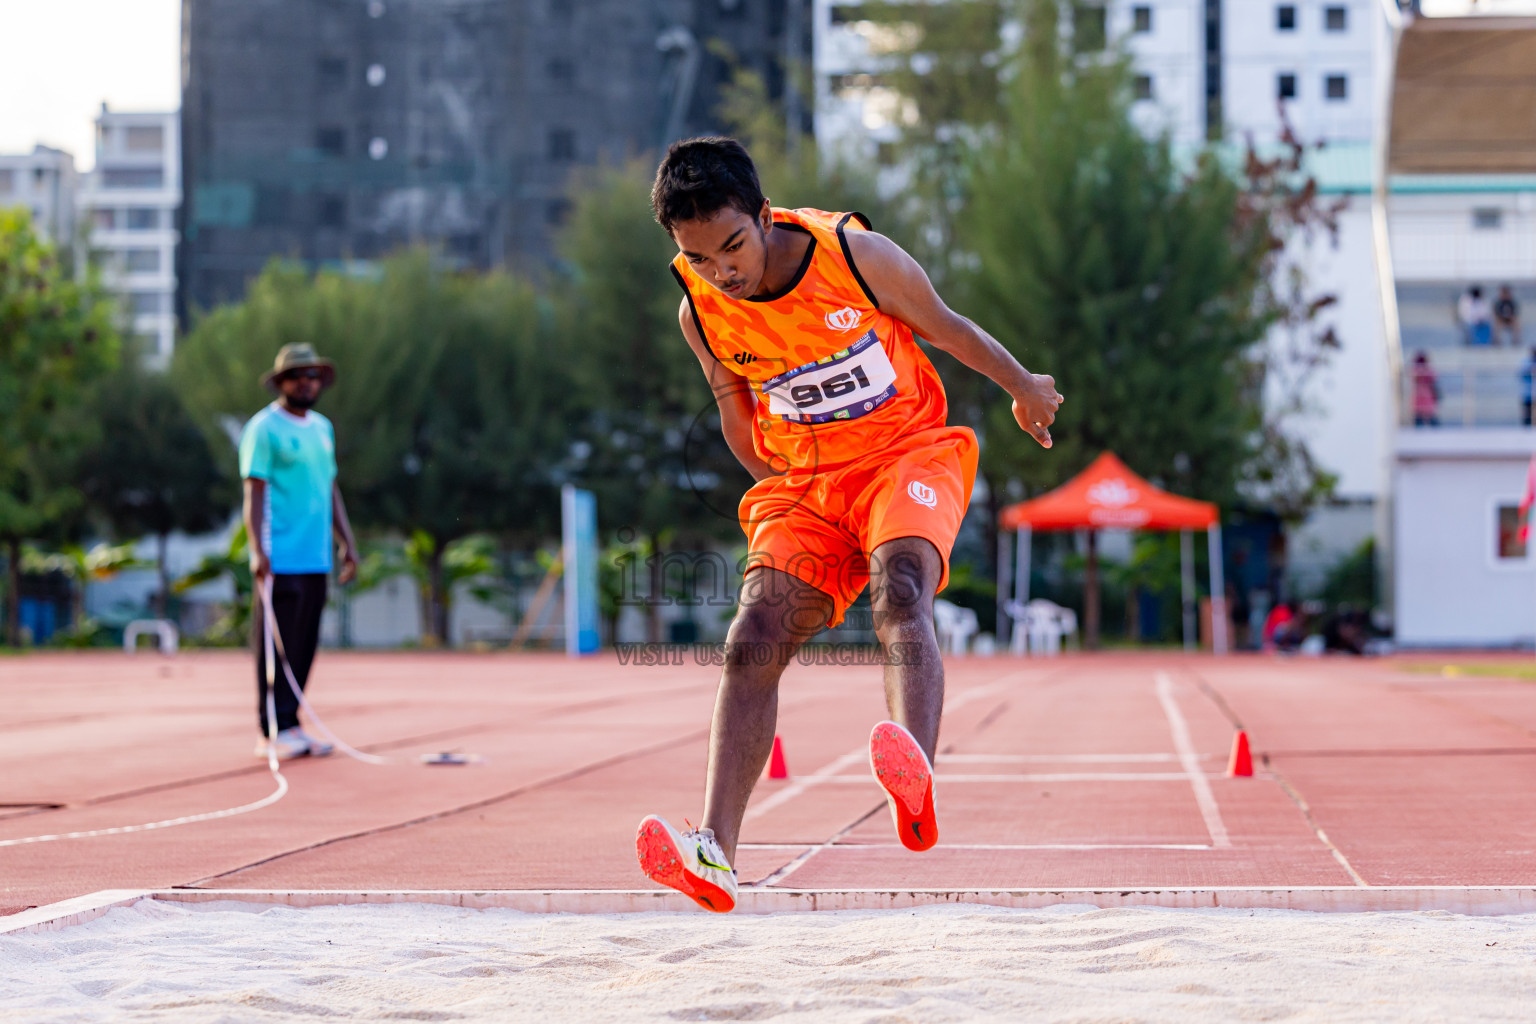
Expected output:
{"points": [[821, 525]]}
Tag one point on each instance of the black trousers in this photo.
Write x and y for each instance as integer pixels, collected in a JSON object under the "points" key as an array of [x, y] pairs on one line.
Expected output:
{"points": [[297, 601]]}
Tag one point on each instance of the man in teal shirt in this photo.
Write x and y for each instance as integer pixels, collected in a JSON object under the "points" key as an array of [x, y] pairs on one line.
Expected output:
{"points": [[292, 508]]}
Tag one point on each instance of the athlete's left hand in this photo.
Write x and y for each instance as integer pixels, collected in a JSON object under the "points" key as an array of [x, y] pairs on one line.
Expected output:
{"points": [[1035, 405]]}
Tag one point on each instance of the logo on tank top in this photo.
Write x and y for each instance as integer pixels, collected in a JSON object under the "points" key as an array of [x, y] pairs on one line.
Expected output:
{"points": [[845, 319], [922, 494]]}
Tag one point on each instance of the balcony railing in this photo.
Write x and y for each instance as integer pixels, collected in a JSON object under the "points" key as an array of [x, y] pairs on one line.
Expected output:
{"points": [[1474, 389]]}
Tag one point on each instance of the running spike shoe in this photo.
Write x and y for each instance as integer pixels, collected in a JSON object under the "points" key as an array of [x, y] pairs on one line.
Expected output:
{"points": [[690, 862], [903, 771]]}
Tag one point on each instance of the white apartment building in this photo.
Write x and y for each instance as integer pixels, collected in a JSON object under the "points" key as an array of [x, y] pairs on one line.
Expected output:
{"points": [[1225, 69], [1204, 68], [43, 181], [130, 201]]}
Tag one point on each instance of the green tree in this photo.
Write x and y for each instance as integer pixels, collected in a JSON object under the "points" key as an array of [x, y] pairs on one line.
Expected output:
{"points": [[150, 471], [56, 336], [1144, 281], [451, 402], [466, 559], [234, 562], [81, 566], [648, 440]]}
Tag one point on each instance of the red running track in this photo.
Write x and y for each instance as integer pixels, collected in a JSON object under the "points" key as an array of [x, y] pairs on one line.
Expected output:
{"points": [[1098, 771]]}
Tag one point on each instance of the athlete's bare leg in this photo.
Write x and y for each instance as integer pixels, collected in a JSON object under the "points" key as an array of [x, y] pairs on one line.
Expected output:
{"points": [[904, 574], [778, 613]]}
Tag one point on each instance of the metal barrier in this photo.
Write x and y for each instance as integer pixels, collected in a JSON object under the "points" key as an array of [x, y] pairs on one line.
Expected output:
{"points": [[1474, 389], [162, 628]]}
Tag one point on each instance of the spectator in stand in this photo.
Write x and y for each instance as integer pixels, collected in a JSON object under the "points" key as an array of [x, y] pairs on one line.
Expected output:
{"points": [[1476, 316], [1506, 320], [1426, 393], [1527, 371]]}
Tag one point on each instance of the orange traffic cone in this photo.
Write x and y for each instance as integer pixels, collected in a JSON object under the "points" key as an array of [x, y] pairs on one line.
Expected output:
{"points": [[777, 769], [1241, 763]]}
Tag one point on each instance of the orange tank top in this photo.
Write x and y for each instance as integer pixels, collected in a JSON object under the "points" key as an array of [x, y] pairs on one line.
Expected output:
{"points": [[832, 376]]}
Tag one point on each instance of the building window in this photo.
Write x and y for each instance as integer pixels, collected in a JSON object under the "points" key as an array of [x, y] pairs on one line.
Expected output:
{"points": [[1088, 28], [1142, 84], [7, 181], [331, 141], [1507, 527], [1285, 18], [333, 74], [333, 212], [146, 303], [1141, 19], [1487, 218], [1285, 86], [142, 261], [557, 212], [145, 138], [1336, 87], [1336, 19], [132, 177], [143, 218], [562, 145], [105, 220]]}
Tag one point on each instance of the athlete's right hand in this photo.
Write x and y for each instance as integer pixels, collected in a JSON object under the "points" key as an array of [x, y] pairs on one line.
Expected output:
{"points": [[1035, 405], [261, 565]]}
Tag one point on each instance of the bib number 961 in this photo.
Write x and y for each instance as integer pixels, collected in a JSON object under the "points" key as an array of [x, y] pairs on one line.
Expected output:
{"points": [[806, 395], [842, 386]]}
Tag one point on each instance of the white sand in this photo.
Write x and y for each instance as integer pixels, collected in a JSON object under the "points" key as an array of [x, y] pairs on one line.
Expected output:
{"points": [[228, 962]]}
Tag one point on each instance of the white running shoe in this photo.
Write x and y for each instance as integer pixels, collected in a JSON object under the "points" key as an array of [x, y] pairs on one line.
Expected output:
{"points": [[317, 746], [291, 743], [690, 862]]}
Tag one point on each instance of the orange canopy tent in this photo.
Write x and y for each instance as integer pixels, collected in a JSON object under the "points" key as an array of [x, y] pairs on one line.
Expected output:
{"points": [[1108, 495]]}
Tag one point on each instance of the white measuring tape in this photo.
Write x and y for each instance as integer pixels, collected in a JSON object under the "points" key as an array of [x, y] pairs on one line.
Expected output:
{"points": [[274, 649], [272, 631], [229, 812]]}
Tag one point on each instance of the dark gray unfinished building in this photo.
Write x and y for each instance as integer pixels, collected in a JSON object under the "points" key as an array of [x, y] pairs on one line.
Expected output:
{"points": [[336, 130]]}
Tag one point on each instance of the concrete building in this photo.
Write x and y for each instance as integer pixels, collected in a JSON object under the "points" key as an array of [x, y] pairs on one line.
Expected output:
{"points": [[44, 182], [333, 131], [1205, 69], [1228, 70], [130, 202], [1457, 184]]}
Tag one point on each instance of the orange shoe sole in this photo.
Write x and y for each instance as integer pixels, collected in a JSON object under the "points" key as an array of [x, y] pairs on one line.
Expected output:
{"points": [[901, 768], [662, 863]]}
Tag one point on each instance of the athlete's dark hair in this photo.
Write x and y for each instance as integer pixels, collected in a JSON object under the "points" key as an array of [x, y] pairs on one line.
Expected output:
{"points": [[699, 177]]}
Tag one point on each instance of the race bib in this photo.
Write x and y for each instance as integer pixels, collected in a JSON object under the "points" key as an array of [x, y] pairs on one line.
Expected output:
{"points": [[843, 386]]}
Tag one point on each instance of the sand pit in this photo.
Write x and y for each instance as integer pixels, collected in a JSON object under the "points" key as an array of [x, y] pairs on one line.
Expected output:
{"points": [[233, 962]]}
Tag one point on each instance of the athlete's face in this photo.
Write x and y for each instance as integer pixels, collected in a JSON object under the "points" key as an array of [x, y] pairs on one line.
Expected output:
{"points": [[728, 249]]}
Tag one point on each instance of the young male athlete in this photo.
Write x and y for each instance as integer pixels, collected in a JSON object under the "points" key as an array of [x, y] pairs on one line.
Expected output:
{"points": [[803, 322]]}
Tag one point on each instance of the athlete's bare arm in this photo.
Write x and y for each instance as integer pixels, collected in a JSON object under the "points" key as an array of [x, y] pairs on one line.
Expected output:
{"points": [[732, 394], [904, 291]]}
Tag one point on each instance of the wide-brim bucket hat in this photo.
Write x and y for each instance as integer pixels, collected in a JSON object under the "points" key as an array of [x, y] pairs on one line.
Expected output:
{"points": [[300, 356]]}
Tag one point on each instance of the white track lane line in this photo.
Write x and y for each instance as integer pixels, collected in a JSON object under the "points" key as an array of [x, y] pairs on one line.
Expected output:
{"points": [[1191, 761], [122, 830], [827, 772], [805, 782], [1063, 758], [944, 779], [980, 846]]}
